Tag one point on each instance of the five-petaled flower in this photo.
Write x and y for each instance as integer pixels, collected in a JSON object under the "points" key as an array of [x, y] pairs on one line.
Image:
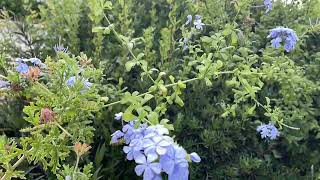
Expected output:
{"points": [[151, 170]]}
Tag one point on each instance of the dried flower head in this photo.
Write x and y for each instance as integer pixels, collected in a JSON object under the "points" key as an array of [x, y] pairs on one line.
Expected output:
{"points": [[15, 87], [33, 73], [84, 60], [80, 149], [47, 115], [7, 147]]}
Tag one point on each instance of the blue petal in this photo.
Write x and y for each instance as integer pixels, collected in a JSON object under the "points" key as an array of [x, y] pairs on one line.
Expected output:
{"points": [[167, 164], [140, 158], [195, 157], [156, 167], [148, 174], [139, 169], [179, 173]]}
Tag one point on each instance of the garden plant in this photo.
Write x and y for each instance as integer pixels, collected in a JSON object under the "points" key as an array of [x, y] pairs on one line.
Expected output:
{"points": [[159, 89]]}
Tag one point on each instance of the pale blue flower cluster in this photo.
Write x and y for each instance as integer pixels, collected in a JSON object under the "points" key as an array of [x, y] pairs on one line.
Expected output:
{"points": [[23, 66], [197, 22], [154, 151], [268, 131], [283, 35], [72, 80]]}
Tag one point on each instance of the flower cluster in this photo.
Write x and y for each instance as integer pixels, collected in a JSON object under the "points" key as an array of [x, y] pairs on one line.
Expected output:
{"points": [[197, 22], [268, 5], [31, 71], [285, 35], [268, 131], [72, 80], [154, 151]]}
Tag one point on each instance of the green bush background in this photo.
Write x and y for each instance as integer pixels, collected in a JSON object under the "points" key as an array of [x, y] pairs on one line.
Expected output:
{"points": [[228, 144]]}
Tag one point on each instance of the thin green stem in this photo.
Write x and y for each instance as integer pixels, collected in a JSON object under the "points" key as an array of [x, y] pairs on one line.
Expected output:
{"points": [[168, 85], [126, 45], [64, 130], [3, 77], [20, 160], [281, 123], [76, 167]]}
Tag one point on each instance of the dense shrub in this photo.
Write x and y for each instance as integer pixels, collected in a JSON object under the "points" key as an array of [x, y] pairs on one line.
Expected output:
{"points": [[215, 73]]}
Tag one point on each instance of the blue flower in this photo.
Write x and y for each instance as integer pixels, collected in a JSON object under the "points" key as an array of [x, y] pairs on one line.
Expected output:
{"points": [[116, 136], [87, 84], [198, 23], [22, 68], [59, 48], [151, 170], [156, 130], [157, 145], [147, 145], [37, 62], [185, 42], [133, 151], [189, 19], [268, 131], [283, 35], [118, 116], [195, 157], [174, 163], [132, 133], [71, 81], [276, 42], [268, 5]]}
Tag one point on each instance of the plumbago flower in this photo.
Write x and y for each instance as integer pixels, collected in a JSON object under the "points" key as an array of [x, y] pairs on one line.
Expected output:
{"points": [[268, 5], [35, 66], [154, 151], [197, 22], [72, 80], [285, 35], [118, 116], [268, 131]]}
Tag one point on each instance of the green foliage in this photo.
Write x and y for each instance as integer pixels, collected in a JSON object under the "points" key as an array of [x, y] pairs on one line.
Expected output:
{"points": [[210, 88]]}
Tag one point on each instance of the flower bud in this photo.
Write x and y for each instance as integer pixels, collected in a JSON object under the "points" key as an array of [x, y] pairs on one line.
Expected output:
{"points": [[81, 149], [46, 116]]}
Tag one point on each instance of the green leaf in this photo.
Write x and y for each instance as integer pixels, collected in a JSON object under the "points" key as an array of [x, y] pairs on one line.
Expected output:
{"points": [[179, 101], [128, 116], [129, 65], [251, 109], [146, 98]]}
